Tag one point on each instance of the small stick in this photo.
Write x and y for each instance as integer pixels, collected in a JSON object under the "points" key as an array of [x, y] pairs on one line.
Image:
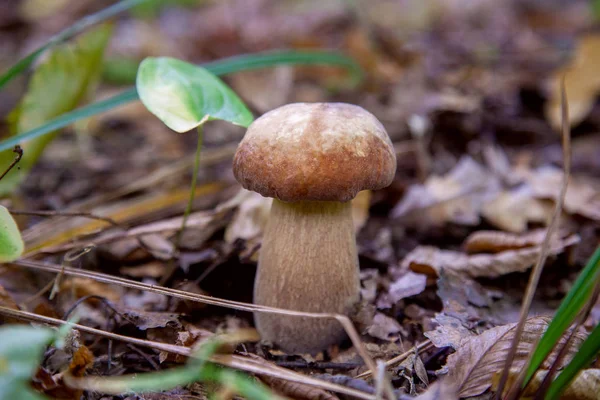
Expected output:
{"points": [[421, 347]]}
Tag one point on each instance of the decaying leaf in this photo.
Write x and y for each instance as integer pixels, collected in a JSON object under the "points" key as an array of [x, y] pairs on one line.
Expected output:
{"points": [[431, 260], [479, 357], [450, 332], [144, 320], [456, 197], [581, 80]]}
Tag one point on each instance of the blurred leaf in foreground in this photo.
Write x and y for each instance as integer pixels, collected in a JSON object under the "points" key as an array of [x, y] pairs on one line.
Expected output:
{"points": [[11, 243], [58, 85], [21, 351], [184, 96]]}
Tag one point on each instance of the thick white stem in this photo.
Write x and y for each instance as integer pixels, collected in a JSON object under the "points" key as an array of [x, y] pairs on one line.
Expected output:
{"points": [[308, 262]]}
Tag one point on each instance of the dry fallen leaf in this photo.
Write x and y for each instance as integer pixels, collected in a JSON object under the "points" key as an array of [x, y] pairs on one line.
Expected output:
{"points": [[384, 327], [512, 210], [409, 284], [583, 195], [82, 287], [456, 197], [582, 83], [251, 217], [479, 357], [431, 260]]}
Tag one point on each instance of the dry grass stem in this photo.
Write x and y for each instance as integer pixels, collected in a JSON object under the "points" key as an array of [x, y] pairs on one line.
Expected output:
{"points": [[539, 266], [232, 361], [342, 319]]}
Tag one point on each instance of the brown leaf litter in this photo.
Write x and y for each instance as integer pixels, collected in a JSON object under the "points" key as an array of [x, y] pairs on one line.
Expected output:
{"points": [[479, 357]]}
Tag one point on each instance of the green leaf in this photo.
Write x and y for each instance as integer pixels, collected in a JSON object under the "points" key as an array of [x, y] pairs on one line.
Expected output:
{"points": [[588, 351], [221, 67], [56, 87], [21, 351], [184, 96], [570, 307], [66, 34], [11, 243]]}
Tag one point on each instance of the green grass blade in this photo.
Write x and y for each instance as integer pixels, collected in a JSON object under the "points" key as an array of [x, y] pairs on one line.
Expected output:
{"points": [[221, 67], [577, 297], [262, 60], [586, 354], [122, 71], [71, 117], [66, 34]]}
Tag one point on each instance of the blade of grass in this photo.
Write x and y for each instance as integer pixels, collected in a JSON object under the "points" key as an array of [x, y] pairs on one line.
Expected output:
{"points": [[221, 67], [586, 354], [558, 361], [569, 308], [66, 34]]}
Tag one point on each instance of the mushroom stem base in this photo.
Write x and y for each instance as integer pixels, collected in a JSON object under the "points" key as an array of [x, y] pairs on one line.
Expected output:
{"points": [[308, 262]]}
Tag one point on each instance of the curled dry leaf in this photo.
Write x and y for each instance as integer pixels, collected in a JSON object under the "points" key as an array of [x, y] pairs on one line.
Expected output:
{"points": [[479, 357], [456, 197], [431, 260], [496, 241]]}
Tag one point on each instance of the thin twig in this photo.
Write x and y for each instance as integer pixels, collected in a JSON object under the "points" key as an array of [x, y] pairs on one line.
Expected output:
{"points": [[113, 280], [232, 361], [537, 270], [421, 347], [19, 152], [380, 379]]}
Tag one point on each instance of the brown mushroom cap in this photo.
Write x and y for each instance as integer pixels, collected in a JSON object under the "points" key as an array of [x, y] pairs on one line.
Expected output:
{"points": [[315, 151]]}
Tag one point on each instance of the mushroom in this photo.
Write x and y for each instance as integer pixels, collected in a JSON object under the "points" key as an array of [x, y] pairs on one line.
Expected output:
{"points": [[312, 158]]}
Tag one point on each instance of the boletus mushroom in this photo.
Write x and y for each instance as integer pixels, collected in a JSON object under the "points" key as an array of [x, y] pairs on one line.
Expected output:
{"points": [[312, 158]]}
